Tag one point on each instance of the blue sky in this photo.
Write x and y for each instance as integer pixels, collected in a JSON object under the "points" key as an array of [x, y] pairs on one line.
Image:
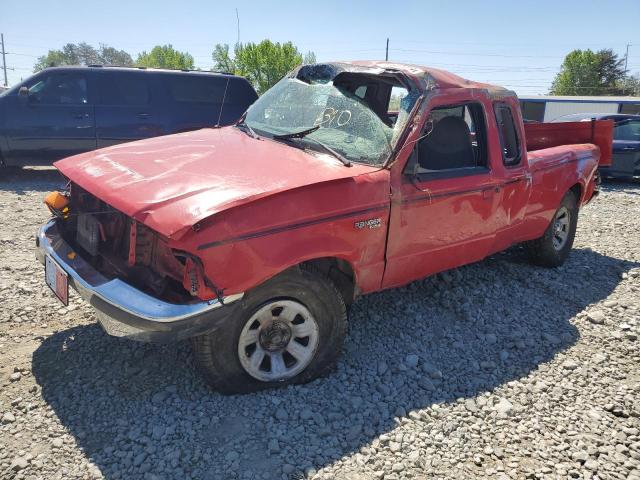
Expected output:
{"points": [[513, 43]]}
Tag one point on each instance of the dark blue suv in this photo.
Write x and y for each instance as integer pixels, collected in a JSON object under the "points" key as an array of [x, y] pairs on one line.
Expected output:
{"points": [[63, 111]]}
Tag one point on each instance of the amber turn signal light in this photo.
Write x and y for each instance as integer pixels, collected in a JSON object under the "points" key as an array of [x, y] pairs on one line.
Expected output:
{"points": [[58, 203]]}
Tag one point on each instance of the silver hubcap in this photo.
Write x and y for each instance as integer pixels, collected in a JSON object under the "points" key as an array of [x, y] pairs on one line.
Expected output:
{"points": [[278, 341], [561, 228]]}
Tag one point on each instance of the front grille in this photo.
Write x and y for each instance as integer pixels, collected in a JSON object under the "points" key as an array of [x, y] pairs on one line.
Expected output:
{"points": [[119, 246]]}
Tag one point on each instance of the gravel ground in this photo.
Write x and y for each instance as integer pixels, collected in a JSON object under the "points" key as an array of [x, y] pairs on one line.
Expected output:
{"points": [[497, 370]]}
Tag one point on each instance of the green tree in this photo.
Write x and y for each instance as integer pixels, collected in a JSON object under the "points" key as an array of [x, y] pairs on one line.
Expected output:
{"points": [[83, 54], [112, 56], [585, 72], [263, 63], [165, 56], [630, 85]]}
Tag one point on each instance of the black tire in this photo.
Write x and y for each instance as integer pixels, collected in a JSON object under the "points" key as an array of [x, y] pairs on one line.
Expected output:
{"points": [[543, 251], [217, 354]]}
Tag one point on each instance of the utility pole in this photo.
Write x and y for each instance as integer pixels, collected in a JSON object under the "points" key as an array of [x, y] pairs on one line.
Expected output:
{"points": [[238, 23], [626, 57], [4, 61], [386, 55]]}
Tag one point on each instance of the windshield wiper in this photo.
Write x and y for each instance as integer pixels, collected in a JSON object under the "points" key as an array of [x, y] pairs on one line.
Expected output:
{"points": [[301, 134], [244, 126], [326, 148]]}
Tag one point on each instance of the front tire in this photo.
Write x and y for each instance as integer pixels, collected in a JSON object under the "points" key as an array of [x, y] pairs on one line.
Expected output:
{"points": [[288, 330], [553, 248]]}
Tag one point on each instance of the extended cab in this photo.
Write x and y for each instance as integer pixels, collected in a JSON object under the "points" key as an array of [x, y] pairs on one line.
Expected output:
{"points": [[341, 180]]}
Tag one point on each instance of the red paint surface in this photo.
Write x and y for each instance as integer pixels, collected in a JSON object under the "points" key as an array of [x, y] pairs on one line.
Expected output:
{"points": [[545, 135], [261, 206]]}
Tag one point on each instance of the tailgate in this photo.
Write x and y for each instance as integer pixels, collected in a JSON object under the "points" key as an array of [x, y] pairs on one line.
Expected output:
{"points": [[597, 132]]}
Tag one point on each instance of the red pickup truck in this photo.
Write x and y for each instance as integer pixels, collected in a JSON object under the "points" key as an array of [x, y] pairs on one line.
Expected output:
{"points": [[341, 180]]}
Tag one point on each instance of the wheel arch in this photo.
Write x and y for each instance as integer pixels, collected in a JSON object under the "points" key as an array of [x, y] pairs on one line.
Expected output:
{"points": [[578, 190], [340, 272]]}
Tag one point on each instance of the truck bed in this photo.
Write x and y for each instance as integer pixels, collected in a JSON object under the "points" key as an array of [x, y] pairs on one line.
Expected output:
{"points": [[571, 135]]}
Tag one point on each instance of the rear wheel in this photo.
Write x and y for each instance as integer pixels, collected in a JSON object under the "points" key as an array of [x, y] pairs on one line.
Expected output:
{"points": [[288, 330], [552, 249]]}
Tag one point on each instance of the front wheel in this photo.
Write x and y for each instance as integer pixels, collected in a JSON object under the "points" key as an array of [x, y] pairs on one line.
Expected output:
{"points": [[288, 330], [552, 249]]}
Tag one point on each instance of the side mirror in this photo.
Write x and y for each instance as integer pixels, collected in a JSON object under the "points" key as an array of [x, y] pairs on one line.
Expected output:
{"points": [[23, 92]]}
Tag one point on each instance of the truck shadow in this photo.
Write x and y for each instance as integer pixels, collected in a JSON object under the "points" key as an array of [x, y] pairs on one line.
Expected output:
{"points": [[21, 180], [138, 411]]}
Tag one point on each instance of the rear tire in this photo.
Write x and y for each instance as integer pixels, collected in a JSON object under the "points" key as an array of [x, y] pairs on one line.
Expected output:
{"points": [[288, 330], [553, 248]]}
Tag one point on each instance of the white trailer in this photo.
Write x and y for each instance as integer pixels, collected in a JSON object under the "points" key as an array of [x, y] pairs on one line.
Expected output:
{"points": [[542, 108]]}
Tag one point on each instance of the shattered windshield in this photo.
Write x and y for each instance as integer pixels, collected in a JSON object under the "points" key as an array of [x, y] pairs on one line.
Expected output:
{"points": [[346, 122]]}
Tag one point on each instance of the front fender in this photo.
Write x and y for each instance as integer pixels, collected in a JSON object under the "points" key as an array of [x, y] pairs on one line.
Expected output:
{"points": [[243, 247]]}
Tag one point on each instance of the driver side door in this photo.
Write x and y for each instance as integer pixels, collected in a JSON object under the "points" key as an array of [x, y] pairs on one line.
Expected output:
{"points": [[55, 120], [443, 214]]}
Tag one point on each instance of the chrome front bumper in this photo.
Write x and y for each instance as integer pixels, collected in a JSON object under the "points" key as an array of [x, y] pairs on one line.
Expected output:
{"points": [[123, 310]]}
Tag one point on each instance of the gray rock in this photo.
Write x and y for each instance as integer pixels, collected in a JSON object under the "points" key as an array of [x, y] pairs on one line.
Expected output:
{"points": [[411, 360], [580, 456], [596, 316], [231, 456], [274, 446], [19, 463], [281, 414], [504, 407], [8, 417], [570, 365]]}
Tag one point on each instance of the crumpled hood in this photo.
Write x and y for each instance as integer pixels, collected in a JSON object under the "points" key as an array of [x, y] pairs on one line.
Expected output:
{"points": [[170, 183]]}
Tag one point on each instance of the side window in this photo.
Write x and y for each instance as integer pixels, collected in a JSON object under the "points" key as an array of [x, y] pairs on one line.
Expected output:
{"points": [[508, 134], [397, 94], [454, 138], [361, 91], [60, 89], [196, 89], [124, 89]]}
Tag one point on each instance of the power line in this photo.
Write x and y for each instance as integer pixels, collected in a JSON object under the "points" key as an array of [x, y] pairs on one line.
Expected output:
{"points": [[22, 54], [438, 52]]}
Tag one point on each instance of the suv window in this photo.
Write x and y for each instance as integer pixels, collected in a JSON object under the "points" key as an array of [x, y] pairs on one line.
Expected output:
{"points": [[60, 89], [453, 139], [508, 135], [628, 130], [196, 89], [124, 89]]}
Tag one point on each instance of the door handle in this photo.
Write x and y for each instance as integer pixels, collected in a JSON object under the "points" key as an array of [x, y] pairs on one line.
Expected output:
{"points": [[525, 178], [80, 116], [143, 115], [488, 193]]}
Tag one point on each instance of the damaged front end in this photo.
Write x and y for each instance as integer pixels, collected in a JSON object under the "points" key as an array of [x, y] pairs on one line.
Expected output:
{"points": [[141, 287]]}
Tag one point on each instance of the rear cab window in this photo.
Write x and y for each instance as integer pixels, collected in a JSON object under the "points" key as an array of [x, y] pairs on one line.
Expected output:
{"points": [[508, 133]]}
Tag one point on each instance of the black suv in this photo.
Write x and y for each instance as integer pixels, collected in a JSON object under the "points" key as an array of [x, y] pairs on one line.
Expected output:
{"points": [[63, 111]]}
